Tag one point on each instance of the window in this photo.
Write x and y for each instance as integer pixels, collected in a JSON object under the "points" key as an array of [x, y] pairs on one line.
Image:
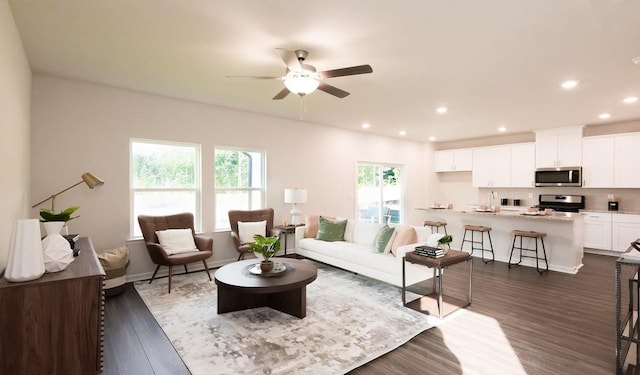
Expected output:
{"points": [[239, 176], [379, 193], [165, 179]]}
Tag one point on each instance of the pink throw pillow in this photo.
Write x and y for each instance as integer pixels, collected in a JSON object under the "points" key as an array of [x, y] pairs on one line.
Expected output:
{"points": [[404, 236]]}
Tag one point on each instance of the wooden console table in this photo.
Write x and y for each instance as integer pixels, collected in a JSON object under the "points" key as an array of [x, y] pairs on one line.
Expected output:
{"points": [[55, 324]]}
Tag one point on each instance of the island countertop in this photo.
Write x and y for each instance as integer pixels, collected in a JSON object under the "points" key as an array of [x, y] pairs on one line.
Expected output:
{"points": [[563, 241], [564, 216]]}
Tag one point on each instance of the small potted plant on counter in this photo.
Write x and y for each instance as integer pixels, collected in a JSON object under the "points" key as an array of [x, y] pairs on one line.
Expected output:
{"points": [[267, 247]]}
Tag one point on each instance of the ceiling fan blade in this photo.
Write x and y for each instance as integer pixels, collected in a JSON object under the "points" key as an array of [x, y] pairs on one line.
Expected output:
{"points": [[353, 70], [282, 94], [332, 90], [289, 58], [255, 77]]}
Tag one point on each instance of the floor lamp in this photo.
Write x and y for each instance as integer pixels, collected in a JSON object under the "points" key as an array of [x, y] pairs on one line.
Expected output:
{"points": [[89, 179], [295, 196]]}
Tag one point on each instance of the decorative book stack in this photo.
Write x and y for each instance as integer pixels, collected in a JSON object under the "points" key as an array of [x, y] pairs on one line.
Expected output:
{"points": [[428, 251]]}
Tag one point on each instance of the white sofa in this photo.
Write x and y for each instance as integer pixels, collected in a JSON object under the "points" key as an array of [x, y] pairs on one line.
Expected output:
{"points": [[356, 253]]}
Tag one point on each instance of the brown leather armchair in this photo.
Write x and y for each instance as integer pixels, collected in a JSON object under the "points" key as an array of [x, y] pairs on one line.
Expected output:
{"points": [[250, 216], [150, 224]]}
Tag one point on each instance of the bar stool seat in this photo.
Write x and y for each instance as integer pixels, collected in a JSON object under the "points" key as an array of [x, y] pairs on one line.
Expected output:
{"points": [[536, 236], [482, 230]]}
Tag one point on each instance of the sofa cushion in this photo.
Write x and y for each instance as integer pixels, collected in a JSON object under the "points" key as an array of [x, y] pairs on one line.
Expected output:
{"points": [[348, 230], [423, 233], [247, 229], [383, 238], [364, 232], [404, 236], [351, 252], [331, 230]]}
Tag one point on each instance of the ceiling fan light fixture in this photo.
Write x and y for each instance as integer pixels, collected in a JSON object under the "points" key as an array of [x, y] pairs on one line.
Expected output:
{"points": [[301, 83]]}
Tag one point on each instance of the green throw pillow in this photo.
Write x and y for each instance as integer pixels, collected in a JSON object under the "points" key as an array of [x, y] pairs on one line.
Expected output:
{"points": [[331, 230], [382, 239]]}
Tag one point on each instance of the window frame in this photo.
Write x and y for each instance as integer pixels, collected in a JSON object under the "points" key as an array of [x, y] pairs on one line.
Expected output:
{"points": [[197, 189], [401, 189], [263, 177]]}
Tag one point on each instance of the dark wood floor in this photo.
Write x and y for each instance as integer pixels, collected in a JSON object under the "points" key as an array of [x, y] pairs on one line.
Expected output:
{"points": [[519, 323]]}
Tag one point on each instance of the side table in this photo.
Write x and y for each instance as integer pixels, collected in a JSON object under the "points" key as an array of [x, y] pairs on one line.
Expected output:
{"points": [[286, 230], [428, 303]]}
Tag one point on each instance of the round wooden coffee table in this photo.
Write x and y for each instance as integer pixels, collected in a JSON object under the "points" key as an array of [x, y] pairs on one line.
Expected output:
{"points": [[239, 289]]}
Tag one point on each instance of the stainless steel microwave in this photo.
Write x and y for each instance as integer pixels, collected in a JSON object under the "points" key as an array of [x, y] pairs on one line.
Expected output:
{"points": [[564, 176]]}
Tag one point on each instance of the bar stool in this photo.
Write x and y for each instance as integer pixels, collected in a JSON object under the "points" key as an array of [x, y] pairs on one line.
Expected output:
{"points": [[482, 230], [435, 227], [529, 234]]}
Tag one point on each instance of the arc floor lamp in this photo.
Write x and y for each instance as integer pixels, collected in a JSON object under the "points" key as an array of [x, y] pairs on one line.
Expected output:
{"points": [[88, 178]]}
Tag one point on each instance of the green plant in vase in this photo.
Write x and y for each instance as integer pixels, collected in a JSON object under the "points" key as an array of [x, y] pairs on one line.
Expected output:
{"points": [[48, 216], [267, 247], [445, 241]]}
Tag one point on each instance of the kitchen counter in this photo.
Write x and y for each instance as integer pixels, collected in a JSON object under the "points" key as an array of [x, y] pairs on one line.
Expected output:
{"points": [[564, 241], [612, 212]]}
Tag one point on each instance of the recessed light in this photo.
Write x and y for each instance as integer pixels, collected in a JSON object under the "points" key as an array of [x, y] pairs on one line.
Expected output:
{"points": [[432, 138], [631, 99], [636, 60], [402, 132], [441, 110], [604, 116], [365, 125], [569, 84], [502, 129]]}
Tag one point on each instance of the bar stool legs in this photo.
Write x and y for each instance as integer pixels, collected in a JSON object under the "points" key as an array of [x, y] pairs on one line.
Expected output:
{"points": [[535, 236], [435, 227], [482, 230]]}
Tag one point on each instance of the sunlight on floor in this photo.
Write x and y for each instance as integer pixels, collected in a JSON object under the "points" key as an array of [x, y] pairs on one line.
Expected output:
{"points": [[488, 350]]}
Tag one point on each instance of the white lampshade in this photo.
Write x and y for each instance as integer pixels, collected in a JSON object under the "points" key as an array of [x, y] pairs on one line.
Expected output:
{"points": [[295, 196], [301, 83]]}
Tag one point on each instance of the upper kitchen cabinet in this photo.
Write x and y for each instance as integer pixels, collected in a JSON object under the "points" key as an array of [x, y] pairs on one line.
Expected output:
{"points": [[560, 147], [598, 162], [523, 165], [626, 160], [492, 166], [453, 160]]}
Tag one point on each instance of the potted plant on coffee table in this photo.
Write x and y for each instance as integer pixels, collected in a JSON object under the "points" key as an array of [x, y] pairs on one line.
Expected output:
{"points": [[267, 247]]}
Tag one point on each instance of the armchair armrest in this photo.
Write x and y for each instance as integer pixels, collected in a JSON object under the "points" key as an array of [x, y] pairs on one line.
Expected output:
{"points": [[236, 239], [157, 253], [204, 243]]}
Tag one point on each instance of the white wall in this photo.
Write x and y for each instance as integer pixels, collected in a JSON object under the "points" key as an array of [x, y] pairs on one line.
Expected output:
{"points": [[80, 127], [15, 101]]}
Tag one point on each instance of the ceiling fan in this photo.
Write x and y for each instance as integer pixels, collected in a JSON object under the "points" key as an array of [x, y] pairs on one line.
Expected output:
{"points": [[302, 79]]}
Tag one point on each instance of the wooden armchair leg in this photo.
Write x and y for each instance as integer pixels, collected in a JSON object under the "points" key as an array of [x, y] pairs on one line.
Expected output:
{"points": [[206, 268], [154, 274], [185, 269], [241, 256], [170, 267]]}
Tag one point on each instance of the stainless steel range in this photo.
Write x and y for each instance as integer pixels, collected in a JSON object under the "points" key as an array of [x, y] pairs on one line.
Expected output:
{"points": [[561, 202]]}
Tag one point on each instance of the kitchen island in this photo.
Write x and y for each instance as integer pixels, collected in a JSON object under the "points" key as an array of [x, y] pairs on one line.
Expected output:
{"points": [[564, 244]]}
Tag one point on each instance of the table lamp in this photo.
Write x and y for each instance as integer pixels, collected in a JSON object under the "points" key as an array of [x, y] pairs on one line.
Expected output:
{"points": [[89, 179], [295, 196]]}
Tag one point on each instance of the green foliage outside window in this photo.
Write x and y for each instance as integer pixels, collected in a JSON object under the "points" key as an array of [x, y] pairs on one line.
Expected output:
{"points": [[163, 166]]}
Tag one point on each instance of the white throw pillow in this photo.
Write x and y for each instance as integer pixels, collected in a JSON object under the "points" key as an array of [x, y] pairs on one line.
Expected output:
{"points": [[246, 230], [175, 241], [364, 233], [348, 230]]}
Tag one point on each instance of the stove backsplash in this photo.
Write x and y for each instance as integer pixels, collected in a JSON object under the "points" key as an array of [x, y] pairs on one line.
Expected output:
{"points": [[595, 199]]}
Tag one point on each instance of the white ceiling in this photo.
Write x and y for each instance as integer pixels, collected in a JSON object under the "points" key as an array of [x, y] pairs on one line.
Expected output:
{"points": [[491, 62]]}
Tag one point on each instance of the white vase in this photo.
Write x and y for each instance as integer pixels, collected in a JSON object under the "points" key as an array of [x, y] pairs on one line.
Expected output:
{"points": [[55, 248], [25, 260]]}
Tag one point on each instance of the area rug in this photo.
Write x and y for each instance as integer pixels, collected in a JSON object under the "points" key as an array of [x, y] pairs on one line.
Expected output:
{"points": [[350, 321]]}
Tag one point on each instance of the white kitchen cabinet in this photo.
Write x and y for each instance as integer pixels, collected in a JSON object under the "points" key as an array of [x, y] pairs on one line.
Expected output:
{"points": [[626, 160], [561, 147], [523, 165], [598, 162], [453, 160], [597, 230], [625, 229], [491, 167]]}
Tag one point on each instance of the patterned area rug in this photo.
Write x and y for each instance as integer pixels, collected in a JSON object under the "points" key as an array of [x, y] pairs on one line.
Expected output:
{"points": [[350, 321]]}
